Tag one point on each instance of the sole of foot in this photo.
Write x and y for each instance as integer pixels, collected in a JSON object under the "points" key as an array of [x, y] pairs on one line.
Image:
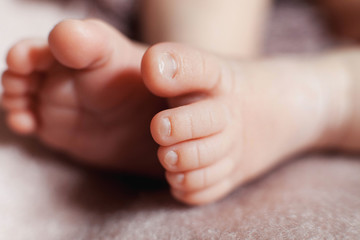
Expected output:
{"points": [[81, 92]]}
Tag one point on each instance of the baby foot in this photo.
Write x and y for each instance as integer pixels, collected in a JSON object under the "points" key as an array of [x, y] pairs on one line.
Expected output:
{"points": [[229, 121], [81, 92]]}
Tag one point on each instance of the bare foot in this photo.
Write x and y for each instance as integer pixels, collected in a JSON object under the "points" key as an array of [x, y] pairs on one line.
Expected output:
{"points": [[81, 92], [231, 121]]}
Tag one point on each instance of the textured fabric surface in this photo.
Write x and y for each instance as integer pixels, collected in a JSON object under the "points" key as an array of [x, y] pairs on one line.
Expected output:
{"points": [[44, 196]]}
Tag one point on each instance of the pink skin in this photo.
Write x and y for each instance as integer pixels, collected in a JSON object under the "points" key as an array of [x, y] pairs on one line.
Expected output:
{"points": [[230, 122], [83, 92]]}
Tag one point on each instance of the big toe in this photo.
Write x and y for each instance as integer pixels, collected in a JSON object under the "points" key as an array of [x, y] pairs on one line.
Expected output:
{"points": [[80, 44], [171, 70], [107, 63]]}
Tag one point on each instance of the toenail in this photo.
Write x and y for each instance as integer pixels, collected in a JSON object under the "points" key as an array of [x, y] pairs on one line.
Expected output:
{"points": [[167, 66], [171, 158], [165, 127]]}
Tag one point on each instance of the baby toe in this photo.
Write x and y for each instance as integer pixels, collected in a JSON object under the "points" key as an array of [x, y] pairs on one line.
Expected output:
{"points": [[11, 103], [28, 56], [15, 85], [201, 178], [204, 196], [195, 154], [22, 122], [199, 119]]}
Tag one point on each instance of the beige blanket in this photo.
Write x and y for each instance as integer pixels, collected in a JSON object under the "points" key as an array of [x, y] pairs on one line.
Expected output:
{"points": [[44, 196]]}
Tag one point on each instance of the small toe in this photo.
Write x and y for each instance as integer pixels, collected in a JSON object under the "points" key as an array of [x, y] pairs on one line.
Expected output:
{"points": [[199, 119], [196, 154], [22, 122], [28, 56], [14, 84], [11, 103], [204, 196], [201, 178]]}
